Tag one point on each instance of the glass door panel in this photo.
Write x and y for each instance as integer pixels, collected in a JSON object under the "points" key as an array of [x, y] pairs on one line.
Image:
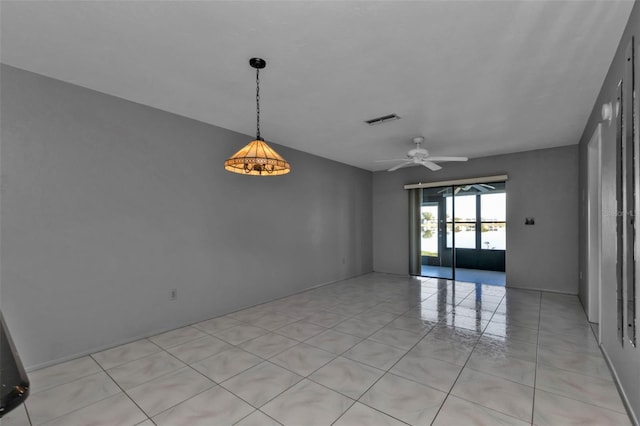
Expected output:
{"points": [[493, 218], [464, 223], [429, 217], [436, 257], [462, 219], [479, 232]]}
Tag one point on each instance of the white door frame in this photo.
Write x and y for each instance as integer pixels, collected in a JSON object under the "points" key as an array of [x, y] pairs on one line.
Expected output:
{"points": [[594, 226]]}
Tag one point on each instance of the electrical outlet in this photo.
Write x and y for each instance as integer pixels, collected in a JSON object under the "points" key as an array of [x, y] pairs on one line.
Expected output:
{"points": [[174, 294]]}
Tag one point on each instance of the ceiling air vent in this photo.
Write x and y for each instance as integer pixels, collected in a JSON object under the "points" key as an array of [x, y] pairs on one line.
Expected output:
{"points": [[383, 119]]}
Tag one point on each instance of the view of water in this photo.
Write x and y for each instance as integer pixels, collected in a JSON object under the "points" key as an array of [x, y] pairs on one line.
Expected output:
{"points": [[466, 239]]}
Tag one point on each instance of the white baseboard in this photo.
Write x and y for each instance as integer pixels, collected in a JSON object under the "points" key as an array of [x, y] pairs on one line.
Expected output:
{"points": [[546, 290]]}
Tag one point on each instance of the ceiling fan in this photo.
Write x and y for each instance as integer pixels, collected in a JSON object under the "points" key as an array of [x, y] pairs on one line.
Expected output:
{"points": [[420, 157]]}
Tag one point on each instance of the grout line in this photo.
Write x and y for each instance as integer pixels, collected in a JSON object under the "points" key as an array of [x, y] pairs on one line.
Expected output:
{"points": [[26, 410], [253, 412], [267, 401], [373, 408], [122, 389], [465, 364], [535, 372]]}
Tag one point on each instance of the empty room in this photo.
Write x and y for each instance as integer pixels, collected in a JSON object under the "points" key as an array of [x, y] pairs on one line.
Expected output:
{"points": [[316, 212]]}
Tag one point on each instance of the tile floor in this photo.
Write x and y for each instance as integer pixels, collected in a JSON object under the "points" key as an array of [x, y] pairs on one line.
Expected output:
{"points": [[374, 350]]}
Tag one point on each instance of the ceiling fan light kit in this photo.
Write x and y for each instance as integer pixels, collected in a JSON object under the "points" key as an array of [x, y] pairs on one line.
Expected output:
{"points": [[420, 157], [257, 158]]}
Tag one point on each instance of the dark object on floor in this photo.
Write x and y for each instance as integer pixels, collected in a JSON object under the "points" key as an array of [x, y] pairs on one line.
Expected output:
{"points": [[14, 383]]}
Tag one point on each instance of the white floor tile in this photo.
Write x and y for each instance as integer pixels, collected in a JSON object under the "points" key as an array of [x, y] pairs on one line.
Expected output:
{"points": [[346, 376], [145, 369], [302, 359], [375, 354], [268, 345], [261, 383], [257, 418], [308, 404], [177, 337], [171, 389], [362, 415], [378, 317], [510, 368], [16, 417], [445, 350], [493, 392], [512, 332], [325, 318], [300, 330], [273, 321], [577, 362], [115, 410], [55, 402], [456, 411], [199, 349], [506, 348], [215, 406], [405, 400], [62, 373], [226, 364], [217, 324], [240, 333], [551, 409], [588, 389], [333, 341], [125, 353], [428, 371], [398, 337]]}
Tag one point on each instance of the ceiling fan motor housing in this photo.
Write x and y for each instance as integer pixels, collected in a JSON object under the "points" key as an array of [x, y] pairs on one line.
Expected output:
{"points": [[418, 152]]}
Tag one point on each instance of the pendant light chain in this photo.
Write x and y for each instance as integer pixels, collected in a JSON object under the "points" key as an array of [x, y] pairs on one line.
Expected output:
{"points": [[258, 104]]}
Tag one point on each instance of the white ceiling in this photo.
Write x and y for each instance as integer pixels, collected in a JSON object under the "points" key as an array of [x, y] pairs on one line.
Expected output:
{"points": [[475, 78]]}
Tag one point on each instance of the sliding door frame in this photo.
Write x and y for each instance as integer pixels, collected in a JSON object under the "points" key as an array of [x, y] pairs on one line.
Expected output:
{"points": [[415, 203]]}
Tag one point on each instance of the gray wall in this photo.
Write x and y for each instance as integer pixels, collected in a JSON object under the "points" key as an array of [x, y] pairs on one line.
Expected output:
{"points": [[108, 204], [624, 360], [542, 184]]}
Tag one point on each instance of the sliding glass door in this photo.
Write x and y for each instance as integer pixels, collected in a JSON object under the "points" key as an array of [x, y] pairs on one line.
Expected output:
{"points": [[463, 232]]}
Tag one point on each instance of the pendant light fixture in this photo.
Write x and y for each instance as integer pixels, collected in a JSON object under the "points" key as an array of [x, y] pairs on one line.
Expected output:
{"points": [[257, 158]]}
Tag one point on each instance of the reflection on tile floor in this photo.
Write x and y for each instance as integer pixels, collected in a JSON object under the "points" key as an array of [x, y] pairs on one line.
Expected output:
{"points": [[374, 350]]}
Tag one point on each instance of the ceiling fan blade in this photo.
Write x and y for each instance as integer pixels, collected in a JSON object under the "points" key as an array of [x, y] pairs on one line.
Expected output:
{"points": [[394, 168], [448, 158], [430, 165], [391, 159], [481, 188]]}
